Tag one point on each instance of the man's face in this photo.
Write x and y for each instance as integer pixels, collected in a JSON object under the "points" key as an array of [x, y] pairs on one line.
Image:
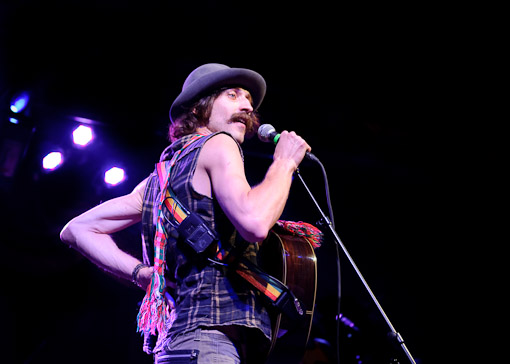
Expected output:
{"points": [[230, 113]]}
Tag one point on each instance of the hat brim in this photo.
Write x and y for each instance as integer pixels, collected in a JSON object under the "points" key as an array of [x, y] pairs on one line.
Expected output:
{"points": [[235, 77]]}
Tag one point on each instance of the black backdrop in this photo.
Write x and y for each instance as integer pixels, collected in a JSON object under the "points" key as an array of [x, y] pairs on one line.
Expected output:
{"points": [[360, 84]]}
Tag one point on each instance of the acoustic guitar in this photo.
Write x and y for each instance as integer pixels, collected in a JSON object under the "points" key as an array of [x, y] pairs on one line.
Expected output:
{"points": [[292, 260]]}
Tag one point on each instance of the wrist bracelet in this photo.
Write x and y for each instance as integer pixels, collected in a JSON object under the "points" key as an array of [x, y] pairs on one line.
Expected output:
{"points": [[134, 275]]}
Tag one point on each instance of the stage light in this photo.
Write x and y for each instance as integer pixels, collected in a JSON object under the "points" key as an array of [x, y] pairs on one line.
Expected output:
{"points": [[82, 135], [52, 161], [13, 121], [19, 102], [114, 176]]}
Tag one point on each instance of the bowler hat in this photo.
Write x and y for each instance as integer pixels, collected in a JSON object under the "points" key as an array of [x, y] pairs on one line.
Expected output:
{"points": [[211, 76]]}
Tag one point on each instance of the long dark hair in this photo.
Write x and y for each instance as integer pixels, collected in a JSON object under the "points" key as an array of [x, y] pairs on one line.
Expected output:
{"points": [[198, 115]]}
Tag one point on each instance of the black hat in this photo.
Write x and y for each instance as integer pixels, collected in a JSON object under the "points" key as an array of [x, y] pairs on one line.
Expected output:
{"points": [[210, 77]]}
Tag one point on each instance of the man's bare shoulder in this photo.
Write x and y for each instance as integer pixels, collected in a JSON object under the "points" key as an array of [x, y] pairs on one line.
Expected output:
{"points": [[222, 140], [221, 148]]}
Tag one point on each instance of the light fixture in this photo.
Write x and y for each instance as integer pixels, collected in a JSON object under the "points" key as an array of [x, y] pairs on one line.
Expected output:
{"points": [[82, 135], [52, 161], [19, 102], [114, 176]]}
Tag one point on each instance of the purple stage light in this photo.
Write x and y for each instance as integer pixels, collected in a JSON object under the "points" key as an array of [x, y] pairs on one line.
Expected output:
{"points": [[114, 176], [82, 135], [52, 161]]}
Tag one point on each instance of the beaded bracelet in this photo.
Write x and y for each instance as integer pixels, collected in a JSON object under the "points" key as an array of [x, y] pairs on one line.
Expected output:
{"points": [[134, 275]]}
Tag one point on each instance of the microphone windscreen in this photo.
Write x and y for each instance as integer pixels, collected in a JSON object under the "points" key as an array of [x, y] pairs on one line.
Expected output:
{"points": [[265, 131]]}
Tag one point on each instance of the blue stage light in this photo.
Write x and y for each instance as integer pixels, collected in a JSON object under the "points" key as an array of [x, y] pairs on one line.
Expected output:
{"points": [[19, 102]]}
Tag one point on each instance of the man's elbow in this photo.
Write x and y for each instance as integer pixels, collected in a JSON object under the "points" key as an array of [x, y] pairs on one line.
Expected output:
{"points": [[255, 232], [68, 235]]}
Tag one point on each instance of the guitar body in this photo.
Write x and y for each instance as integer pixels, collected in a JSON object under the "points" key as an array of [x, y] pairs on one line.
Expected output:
{"points": [[292, 260]]}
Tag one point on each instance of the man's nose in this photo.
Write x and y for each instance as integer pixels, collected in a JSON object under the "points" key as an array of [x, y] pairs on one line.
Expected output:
{"points": [[246, 106]]}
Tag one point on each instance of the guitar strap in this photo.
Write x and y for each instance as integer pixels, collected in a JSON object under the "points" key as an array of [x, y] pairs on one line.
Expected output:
{"points": [[196, 233]]}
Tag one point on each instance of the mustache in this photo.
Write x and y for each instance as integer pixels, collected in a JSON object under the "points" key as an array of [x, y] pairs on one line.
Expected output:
{"points": [[251, 120]]}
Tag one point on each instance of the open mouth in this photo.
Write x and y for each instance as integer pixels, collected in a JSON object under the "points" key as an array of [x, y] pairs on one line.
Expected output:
{"points": [[244, 118], [239, 119]]}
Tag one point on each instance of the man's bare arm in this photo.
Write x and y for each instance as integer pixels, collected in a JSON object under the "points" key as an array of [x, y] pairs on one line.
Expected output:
{"points": [[253, 211], [89, 233]]}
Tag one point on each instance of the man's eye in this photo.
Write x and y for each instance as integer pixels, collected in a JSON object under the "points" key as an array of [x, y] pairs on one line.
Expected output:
{"points": [[232, 95]]}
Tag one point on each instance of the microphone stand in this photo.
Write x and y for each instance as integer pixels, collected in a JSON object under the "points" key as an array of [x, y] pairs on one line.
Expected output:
{"points": [[393, 334]]}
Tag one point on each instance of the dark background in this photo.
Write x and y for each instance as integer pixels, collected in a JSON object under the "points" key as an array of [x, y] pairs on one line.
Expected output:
{"points": [[364, 86]]}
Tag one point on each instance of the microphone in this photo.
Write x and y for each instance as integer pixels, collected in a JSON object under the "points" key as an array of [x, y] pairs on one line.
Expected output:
{"points": [[268, 134]]}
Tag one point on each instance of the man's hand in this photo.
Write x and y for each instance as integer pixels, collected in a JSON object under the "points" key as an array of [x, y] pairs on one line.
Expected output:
{"points": [[144, 277], [291, 147]]}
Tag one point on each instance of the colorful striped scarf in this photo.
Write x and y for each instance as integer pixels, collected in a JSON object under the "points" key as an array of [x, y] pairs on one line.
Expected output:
{"points": [[155, 310]]}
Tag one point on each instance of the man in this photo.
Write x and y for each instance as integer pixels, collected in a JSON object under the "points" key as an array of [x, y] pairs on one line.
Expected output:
{"points": [[211, 315]]}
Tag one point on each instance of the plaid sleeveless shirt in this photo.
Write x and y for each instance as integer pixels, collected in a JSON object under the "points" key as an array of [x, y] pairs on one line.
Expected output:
{"points": [[204, 295]]}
